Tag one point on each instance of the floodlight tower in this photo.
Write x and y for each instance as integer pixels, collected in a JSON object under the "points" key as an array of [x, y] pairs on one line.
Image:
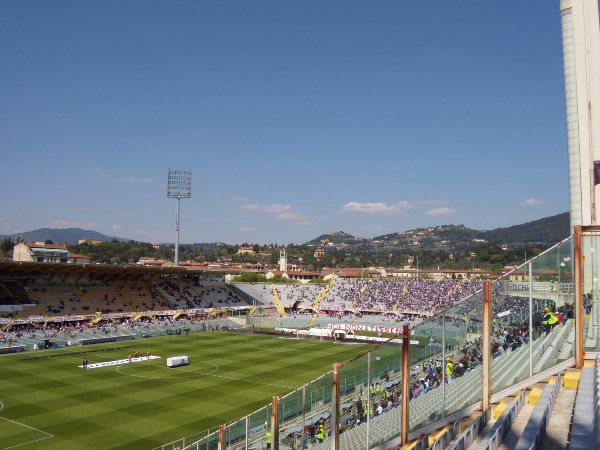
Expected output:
{"points": [[179, 186]]}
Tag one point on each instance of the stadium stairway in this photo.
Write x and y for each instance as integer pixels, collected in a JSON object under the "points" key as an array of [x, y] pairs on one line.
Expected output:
{"points": [[278, 305], [315, 304]]}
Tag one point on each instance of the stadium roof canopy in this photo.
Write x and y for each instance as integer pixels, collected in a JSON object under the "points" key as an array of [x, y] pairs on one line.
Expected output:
{"points": [[99, 272]]}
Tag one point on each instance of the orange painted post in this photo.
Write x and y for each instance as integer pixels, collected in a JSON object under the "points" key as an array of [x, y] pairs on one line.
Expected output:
{"points": [[221, 443], [275, 424], [405, 384], [485, 347], [335, 408]]}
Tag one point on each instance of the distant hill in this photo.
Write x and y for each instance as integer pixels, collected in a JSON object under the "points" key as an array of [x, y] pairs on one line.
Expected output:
{"points": [[61, 235], [546, 231], [337, 238]]}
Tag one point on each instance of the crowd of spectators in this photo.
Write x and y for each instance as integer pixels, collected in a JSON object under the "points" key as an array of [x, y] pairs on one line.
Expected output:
{"points": [[355, 297], [403, 296]]}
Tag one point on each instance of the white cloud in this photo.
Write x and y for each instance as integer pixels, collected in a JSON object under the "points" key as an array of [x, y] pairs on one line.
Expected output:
{"points": [[441, 211], [133, 180], [377, 207], [247, 229], [531, 202]]}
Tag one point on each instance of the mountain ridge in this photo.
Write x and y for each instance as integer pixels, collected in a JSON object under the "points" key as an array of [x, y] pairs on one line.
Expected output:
{"points": [[61, 235], [548, 231]]}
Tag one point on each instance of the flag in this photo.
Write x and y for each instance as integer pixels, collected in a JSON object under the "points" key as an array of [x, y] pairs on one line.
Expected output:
{"points": [[596, 172]]}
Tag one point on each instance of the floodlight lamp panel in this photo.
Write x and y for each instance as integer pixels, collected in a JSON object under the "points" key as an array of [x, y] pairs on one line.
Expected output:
{"points": [[179, 183]]}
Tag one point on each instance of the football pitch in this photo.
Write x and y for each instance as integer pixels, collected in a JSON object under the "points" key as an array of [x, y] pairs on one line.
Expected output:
{"points": [[52, 403]]}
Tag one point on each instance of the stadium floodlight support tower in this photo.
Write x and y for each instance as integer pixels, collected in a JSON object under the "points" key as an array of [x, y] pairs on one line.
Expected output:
{"points": [[581, 61], [179, 186]]}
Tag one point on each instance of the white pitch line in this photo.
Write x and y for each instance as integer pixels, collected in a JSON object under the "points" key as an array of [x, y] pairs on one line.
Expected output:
{"points": [[47, 435], [170, 369], [250, 381], [27, 426], [194, 374], [28, 442]]}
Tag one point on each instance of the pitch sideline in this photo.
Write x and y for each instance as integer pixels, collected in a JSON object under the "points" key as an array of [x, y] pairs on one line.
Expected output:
{"points": [[47, 435]]}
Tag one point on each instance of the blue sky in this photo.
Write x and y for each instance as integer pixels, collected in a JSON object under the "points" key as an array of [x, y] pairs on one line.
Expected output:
{"points": [[296, 117]]}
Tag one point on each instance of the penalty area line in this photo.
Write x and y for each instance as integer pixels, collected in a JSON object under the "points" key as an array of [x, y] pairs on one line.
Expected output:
{"points": [[47, 435], [28, 442]]}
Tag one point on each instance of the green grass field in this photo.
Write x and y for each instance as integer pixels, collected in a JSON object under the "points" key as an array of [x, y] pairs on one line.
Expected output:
{"points": [[51, 403]]}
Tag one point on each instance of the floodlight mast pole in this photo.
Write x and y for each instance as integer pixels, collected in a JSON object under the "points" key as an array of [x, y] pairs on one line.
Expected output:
{"points": [[179, 186], [176, 261]]}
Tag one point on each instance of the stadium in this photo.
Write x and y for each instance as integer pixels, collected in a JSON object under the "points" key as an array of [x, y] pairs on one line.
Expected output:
{"points": [[283, 359], [119, 357]]}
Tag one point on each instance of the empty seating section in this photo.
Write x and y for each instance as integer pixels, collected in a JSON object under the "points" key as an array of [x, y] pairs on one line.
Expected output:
{"points": [[197, 293], [121, 296], [536, 426], [55, 299], [289, 294], [13, 293], [585, 429], [261, 292]]}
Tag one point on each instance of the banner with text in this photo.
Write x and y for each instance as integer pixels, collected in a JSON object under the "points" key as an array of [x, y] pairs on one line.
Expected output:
{"points": [[376, 329]]}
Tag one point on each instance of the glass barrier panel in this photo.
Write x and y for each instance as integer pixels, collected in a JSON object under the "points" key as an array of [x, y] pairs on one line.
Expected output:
{"points": [[209, 441], [462, 365], [212, 442], [425, 362], [353, 404], [590, 250], [510, 333], [259, 423], [235, 434], [552, 302], [317, 405], [384, 418], [289, 414]]}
